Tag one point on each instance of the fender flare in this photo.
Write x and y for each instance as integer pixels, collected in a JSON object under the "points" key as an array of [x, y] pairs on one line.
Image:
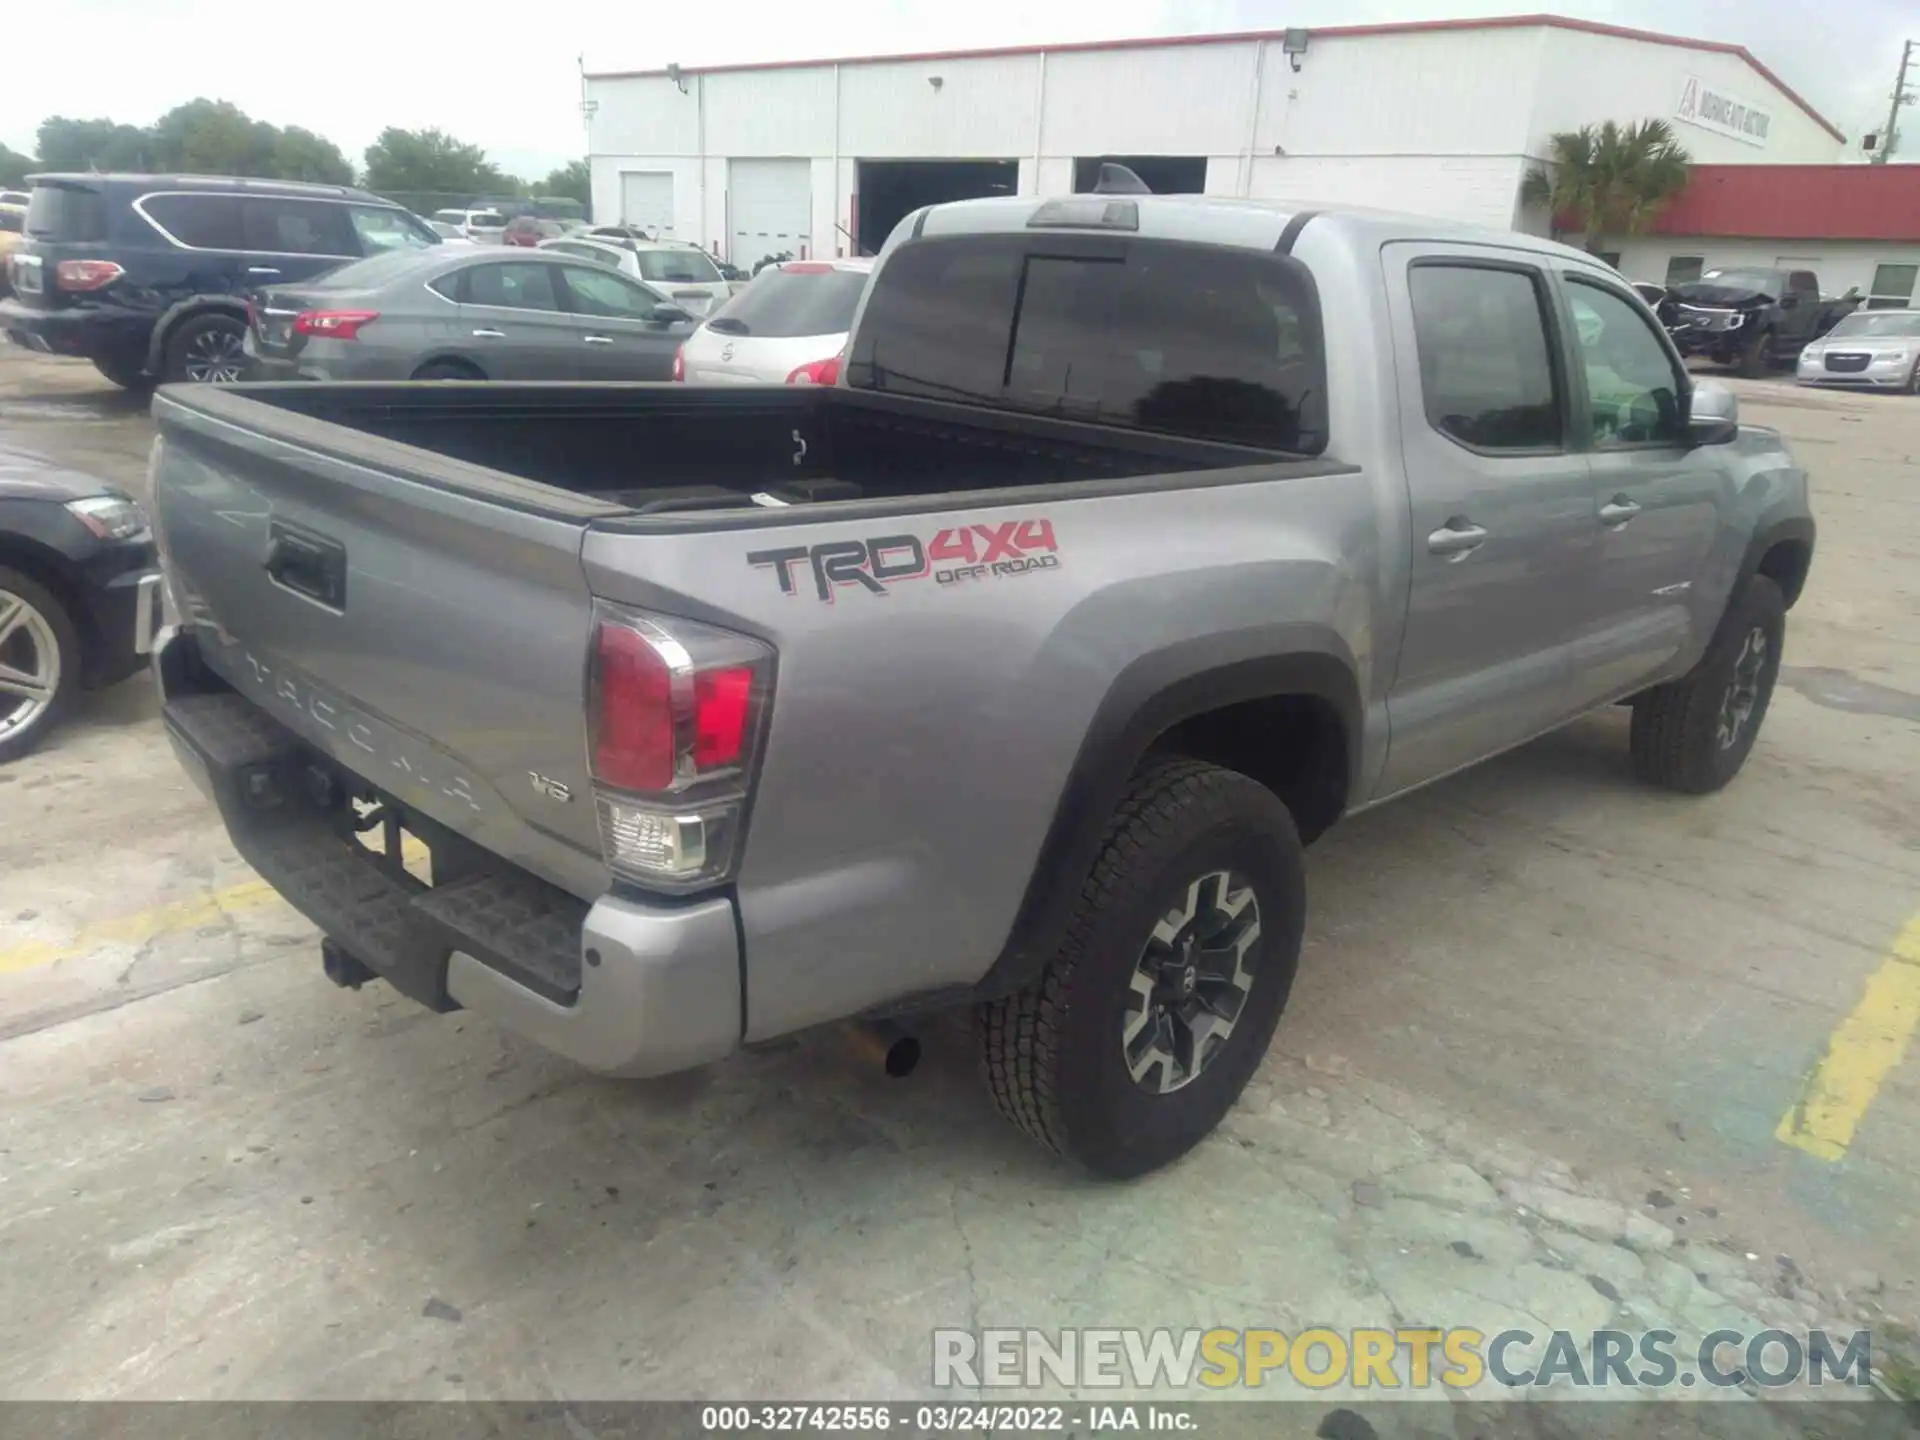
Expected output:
{"points": [[181, 310], [1797, 528], [1148, 698]]}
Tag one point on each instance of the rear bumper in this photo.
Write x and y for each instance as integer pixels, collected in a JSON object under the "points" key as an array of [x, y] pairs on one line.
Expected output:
{"points": [[91, 332], [624, 986]]}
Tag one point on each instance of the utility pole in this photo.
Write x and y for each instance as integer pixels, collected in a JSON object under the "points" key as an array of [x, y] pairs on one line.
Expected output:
{"points": [[1900, 97]]}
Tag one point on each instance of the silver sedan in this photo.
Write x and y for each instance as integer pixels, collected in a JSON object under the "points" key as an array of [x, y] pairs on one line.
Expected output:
{"points": [[1868, 350], [466, 313]]}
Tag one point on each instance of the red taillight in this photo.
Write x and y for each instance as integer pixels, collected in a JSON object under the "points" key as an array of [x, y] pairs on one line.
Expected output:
{"points": [[85, 274], [819, 372], [633, 742], [333, 324], [680, 363], [674, 715], [722, 705]]}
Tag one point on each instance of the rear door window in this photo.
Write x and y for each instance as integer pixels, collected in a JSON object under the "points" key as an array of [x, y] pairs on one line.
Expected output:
{"points": [[1486, 373], [1206, 341], [796, 300], [201, 222], [66, 214], [276, 225], [526, 285]]}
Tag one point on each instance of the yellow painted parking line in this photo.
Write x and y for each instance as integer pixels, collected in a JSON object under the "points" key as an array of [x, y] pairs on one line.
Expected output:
{"points": [[140, 925], [168, 919], [1860, 1055]]}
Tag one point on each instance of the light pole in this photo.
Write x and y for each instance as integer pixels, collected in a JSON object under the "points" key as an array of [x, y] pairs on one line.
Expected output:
{"points": [[1901, 96]]}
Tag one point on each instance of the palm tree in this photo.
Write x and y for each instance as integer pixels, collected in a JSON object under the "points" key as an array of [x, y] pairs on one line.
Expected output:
{"points": [[1609, 179]]}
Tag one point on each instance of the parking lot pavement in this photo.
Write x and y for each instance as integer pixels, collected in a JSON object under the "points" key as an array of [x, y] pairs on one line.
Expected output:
{"points": [[1564, 1053]]}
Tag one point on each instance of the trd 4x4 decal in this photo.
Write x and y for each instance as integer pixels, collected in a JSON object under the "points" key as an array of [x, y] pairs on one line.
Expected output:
{"points": [[966, 552]]}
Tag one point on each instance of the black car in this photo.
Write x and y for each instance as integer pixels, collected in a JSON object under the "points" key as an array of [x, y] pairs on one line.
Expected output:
{"points": [[79, 593], [1752, 317], [147, 275]]}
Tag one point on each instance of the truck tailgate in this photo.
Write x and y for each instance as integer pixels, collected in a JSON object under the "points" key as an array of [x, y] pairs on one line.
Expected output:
{"points": [[423, 621]]}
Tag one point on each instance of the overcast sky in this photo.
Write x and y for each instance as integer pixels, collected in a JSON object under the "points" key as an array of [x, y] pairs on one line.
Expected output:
{"points": [[506, 76]]}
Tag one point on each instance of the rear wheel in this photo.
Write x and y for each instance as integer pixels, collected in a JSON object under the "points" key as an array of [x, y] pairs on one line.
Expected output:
{"points": [[128, 375], [207, 349], [1146, 1025], [39, 662], [448, 370]]}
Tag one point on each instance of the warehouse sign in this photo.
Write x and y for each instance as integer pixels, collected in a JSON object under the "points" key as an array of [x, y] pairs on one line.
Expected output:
{"points": [[1722, 112]]}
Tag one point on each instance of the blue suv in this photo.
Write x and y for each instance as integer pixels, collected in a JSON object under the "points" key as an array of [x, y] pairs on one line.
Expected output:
{"points": [[147, 276]]}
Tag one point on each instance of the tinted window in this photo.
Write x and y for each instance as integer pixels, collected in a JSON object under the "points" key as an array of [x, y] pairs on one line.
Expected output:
{"points": [[527, 286], [1683, 269], [1631, 387], [1484, 369], [794, 301], [66, 213], [296, 227], [1187, 339], [601, 292], [1803, 282], [487, 220], [205, 222], [678, 267], [380, 229], [12, 220]]}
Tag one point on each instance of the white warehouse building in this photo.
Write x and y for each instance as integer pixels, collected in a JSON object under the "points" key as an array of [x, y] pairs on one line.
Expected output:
{"points": [[1443, 118]]}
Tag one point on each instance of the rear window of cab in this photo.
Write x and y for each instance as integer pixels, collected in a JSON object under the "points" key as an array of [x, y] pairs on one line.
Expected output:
{"points": [[1206, 341]]}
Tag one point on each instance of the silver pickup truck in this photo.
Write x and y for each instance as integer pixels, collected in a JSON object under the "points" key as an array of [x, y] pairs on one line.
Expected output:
{"points": [[1141, 539]]}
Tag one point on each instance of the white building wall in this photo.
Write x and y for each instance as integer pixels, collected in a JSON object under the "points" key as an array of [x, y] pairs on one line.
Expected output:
{"points": [[1436, 122], [1440, 92], [1840, 264], [1585, 77], [1166, 100], [983, 109]]}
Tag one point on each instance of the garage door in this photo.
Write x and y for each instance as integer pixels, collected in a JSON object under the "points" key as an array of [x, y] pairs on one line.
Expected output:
{"points": [[646, 200], [770, 206]]}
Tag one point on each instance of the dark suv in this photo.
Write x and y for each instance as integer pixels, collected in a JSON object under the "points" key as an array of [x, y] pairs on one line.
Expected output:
{"points": [[147, 275]]}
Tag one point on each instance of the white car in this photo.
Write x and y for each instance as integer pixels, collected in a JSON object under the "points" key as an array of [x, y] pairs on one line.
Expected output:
{"points": [[682, 275], [787, 327], [483, 227], [1869, 350]]}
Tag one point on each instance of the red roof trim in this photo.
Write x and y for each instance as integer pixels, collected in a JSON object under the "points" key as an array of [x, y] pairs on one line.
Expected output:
{"points": [[1797, 202], [1338, 32]]}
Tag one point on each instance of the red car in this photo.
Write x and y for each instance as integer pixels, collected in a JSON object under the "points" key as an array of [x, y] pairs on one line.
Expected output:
{"points": [[529, 230]]}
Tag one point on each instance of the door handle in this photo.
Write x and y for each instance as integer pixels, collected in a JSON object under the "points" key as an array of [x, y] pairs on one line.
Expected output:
{"points": [[1456, 539], [1618, 511], [597, 339], [490, 334], [261, 270]]}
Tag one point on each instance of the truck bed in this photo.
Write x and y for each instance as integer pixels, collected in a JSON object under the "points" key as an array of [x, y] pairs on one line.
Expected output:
{"points": [[661, 449]]}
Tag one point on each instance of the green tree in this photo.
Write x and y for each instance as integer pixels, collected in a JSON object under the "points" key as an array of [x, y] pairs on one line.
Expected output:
{"points": [[213, 137], [15, 167], [1608, 179], [302, 155], [423, 161], [570, 180], [93, 145]]}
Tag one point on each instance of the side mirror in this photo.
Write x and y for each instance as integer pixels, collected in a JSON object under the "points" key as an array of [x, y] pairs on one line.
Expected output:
{"points": [[671, 315], [1713, 414]]}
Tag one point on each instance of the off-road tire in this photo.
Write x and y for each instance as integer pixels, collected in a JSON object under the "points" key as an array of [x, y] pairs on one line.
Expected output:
{"points": [[448, 370], [1053, 1052], [127, 375], [1675, 737], [1755, 355], [53, 610]]}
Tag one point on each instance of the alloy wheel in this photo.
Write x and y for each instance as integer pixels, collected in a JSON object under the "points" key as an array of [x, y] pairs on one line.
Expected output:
{"points": [[1743, 690], [29, 665], [214, 356], [1191, 982]]}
